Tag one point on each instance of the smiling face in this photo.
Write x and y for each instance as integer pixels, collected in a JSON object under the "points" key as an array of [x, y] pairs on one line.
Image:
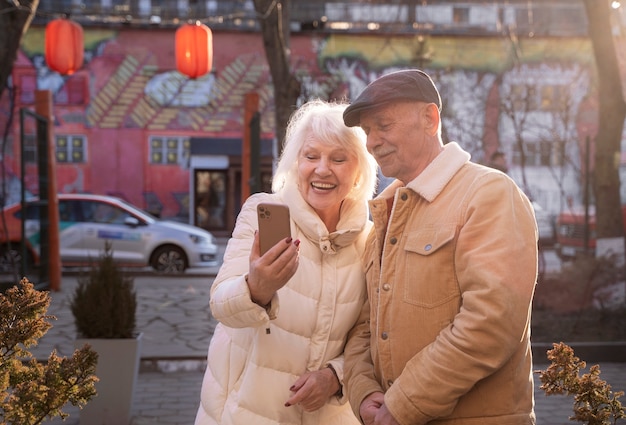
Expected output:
{"points": [[402, 136], [326, 174]]}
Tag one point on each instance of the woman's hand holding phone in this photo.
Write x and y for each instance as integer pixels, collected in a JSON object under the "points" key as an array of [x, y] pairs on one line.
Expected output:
{"points": [[271, 271]]}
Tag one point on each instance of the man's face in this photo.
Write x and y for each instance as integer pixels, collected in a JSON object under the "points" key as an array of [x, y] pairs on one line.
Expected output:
{"points": [[396, 137]]}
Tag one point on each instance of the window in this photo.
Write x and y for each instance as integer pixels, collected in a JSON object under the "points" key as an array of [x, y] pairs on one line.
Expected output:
{"points": [[554, 98], [107, 214], [542, 153], [169, 150], [32, 212], [67, 211], [460, 15], [524, 97], [528, 97], [71, 149]]}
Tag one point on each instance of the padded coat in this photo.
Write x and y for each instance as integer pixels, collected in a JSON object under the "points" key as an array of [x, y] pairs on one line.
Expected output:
{"points": [[256, 355]]}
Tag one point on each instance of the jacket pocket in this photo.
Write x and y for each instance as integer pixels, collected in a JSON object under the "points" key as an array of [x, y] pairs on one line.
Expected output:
{"points": [[429, 275]]}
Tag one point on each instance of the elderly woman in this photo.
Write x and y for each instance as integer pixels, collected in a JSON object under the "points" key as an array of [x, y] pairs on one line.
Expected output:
{"points": [[276, 355]]}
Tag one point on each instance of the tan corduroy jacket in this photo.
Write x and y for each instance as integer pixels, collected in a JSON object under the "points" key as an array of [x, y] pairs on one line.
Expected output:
{"points": [[450, 283]]}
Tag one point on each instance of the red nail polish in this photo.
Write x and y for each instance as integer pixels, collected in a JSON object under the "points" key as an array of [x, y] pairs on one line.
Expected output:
{"points": [[297, 242], [289, 240], [287, 404]]}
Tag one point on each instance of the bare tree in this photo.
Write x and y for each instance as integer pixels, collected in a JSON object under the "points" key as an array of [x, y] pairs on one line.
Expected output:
{"points": [[15, 18], [274, 16], [611, 121], [517, 105]]}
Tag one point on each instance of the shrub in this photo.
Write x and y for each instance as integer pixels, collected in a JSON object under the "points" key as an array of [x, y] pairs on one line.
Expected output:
{"points": [[104, 304]]}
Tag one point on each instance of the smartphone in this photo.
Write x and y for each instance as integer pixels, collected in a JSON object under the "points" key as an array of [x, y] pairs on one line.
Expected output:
{"points": [[274, 224]]}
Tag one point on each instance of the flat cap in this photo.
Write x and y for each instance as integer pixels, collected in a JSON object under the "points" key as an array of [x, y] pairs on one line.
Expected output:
{"points": [[410, 84]]}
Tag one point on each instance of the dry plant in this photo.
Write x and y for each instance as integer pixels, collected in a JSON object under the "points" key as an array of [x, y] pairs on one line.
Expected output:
{"points": [[594, 402], [31, 391]]}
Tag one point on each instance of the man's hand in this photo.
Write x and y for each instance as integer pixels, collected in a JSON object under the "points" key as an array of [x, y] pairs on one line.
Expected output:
{"points": [[384, 417], [370, 407], [313, 389], [374, 412]]}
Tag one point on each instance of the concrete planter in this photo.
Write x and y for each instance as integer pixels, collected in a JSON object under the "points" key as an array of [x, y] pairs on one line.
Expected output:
{"points": [[117, 369]]}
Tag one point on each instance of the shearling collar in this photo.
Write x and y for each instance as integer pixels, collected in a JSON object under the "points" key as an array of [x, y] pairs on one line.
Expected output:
{"points": [[354, 215], [437, 174]]}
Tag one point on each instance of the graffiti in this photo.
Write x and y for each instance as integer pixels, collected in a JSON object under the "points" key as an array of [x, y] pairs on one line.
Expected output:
{"points": [[129, 91], [173, 89]]}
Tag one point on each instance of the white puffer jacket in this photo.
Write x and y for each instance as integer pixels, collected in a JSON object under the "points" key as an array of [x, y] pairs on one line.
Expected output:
{"points": [[254, 357]]}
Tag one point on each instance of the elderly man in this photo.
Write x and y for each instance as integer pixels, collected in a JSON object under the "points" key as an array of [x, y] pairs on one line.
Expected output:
{"points": [[451, 268]]}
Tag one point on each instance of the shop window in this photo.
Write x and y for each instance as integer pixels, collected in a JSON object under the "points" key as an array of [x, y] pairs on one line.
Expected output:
{"points": [[210, 199]]}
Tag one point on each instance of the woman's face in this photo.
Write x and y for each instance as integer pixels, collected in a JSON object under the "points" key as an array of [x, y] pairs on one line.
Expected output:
{"points": [[326, 174]]}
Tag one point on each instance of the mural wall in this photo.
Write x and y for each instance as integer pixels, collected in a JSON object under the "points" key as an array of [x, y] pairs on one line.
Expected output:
{"points": [[122, 123]]}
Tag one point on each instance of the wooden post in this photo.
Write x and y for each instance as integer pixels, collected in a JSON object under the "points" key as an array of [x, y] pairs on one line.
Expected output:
{"points": [[251, 108], [43, 107]]}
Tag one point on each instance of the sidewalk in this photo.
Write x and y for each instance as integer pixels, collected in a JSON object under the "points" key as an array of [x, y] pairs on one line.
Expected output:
{"points": [[174, 316]]}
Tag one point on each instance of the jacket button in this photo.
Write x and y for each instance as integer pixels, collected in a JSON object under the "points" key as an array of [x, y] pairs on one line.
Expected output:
{"points": [[404, 196], [393, 240], [386, 286], [384, 336], [428, 247]]}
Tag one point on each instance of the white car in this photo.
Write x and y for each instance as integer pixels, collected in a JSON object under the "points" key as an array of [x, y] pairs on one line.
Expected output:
{"points": [[137, 238]]}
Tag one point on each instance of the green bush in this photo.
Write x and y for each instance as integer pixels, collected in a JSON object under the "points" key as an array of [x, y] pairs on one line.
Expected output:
{"points": [[104, 304]]}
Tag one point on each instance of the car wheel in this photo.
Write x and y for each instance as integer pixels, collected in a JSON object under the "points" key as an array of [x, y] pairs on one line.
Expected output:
{"points": [[169, 259]]}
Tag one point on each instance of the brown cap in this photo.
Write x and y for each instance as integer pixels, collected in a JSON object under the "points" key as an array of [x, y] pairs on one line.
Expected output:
{"points": [[410, 84]]}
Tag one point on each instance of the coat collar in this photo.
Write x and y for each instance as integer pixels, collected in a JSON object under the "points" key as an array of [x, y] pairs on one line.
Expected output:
{"points": [[436, 176], [352, 221]]}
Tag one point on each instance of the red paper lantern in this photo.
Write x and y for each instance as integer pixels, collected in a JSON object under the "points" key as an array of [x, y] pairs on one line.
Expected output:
{"points": [[194, 50], [64, 47]]}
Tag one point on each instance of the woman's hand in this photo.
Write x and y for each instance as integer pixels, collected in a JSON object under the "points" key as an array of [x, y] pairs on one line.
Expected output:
{"points": [[270, 272], [312, 390]]}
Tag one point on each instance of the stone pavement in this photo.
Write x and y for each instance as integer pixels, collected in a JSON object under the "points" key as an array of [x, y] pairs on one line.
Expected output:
{"points": [[174, 317]]}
